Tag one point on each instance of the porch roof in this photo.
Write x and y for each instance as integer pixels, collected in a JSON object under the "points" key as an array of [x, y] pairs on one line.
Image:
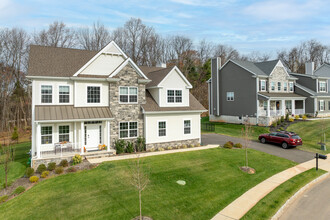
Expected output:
{"points": [[69, 112], [279, 95]]}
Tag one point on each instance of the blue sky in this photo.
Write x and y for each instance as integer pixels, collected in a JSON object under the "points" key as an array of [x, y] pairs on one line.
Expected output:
{"points": [[264, 26]]}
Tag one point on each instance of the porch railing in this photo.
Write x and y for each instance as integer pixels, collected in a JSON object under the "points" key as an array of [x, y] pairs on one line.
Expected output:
{"points": [[275, 113], [299, 111], [58, 150]]}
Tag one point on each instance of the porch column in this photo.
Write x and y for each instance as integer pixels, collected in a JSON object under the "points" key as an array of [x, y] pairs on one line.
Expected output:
{"points": [[304, 106], [75, 135], [38, 141], [283, 106], [293, 107], [82, 136], [108, 136], [268, 108]]}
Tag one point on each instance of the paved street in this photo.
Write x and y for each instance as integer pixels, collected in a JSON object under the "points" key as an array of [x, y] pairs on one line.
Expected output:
{"points": [[313, 204], [290, 154]]}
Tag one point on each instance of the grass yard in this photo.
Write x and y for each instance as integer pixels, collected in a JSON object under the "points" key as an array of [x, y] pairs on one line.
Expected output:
{"points": [[17, 168], [234, 130], [270, 204], [310, 132], [213, 180]]}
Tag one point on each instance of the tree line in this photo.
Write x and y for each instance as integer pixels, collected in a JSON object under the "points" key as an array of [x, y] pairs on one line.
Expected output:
{"points": [[140, 42]]}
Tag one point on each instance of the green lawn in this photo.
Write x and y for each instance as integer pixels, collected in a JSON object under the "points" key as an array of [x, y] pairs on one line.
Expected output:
{"points": [[268, 206], [234, 130], [310, 132], [17, 168], [213, 180]]}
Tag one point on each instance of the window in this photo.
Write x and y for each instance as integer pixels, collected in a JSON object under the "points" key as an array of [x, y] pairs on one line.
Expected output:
{"points": [[174, 96], [93, 94], [63, 132], [64, 94], [127, 129], [230, 96], [263, 85], [46, 94], [322, 86], [46, 135], [279, 86], [265, 105], [285, 87], [321, 104], [128, 94], [273, 86], [288, 104], [187, 126], [100, 133], [162, 128], [291, 86]]}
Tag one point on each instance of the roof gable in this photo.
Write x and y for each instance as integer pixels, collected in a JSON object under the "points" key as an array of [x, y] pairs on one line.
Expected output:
{"points": [[323, 70], [134, 66]]}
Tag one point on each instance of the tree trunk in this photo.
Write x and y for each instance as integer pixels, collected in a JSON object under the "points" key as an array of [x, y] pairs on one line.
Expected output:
{"points": [[140, 205]]}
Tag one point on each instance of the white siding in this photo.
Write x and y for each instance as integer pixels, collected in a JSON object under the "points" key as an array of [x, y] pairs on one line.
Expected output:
{"points": [[81, 94], [105, 64], [155, 94], [174, 127]]}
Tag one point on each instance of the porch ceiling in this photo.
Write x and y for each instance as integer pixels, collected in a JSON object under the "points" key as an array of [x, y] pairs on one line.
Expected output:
{"points": [[280, 95], [69, 112]]}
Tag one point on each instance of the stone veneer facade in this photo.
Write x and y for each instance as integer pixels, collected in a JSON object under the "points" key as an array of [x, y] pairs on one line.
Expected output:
{"points": [[126, 112], [173, 144], [279, 75]]}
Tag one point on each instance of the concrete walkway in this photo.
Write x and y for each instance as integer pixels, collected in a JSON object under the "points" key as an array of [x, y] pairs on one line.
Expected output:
{"points": [[149, 154], [238, 208]]}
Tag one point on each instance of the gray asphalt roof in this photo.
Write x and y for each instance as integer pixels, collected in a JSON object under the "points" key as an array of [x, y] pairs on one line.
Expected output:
{"points": [[258, 68], [324, 70]]}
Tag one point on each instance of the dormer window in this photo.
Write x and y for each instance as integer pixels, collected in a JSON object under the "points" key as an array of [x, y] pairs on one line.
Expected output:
{"points": [[322, 86], [174, 96]]}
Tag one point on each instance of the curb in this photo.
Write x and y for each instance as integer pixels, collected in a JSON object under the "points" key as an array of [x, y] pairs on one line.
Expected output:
{"points": [[297, 194]]}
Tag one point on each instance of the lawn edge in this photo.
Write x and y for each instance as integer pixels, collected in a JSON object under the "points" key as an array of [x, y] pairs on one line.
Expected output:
{"points": [[289, 202]]}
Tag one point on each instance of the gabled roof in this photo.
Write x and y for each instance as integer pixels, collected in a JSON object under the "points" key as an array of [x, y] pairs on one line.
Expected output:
{"points": [[323, 71], [56, 61], [268, 66]]}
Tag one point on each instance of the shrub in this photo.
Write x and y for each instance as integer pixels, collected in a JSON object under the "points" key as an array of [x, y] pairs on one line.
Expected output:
{"points": [[228, 145], [169, 148], [160, 149], [129, 147], [300, 116], [29, 172], [184, 146], [140, 144], [279, 121], [190, 145], [64, 163], [238, 145], [3, 198], [296, 117], [18, 190], [152, 149], [197, 145], [120, 146], [44, 174], [34, 179], [291, 119], [274, 124], [304, 117], [59, 170], [71, 170], [282, 118], [76, 159], [51, 166], [41, 168], [14, 135]]}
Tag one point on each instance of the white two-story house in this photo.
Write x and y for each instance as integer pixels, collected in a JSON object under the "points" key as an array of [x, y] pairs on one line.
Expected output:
{"points": [[82, 100]]}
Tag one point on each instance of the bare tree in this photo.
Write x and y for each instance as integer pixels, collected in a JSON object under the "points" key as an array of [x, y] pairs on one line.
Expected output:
{"points": [[139, 179], [247, 136], [57, 35], [256, 56], [94, 38], [205, 50], [6, 157], [226, 52]]}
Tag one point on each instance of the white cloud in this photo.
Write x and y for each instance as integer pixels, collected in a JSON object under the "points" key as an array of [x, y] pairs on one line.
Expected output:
{"points": [[284, 10], [204, 3]]}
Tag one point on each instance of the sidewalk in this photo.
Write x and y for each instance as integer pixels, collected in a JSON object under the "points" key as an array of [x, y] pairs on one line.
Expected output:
{"points": [[149, 154], [238, 208]]}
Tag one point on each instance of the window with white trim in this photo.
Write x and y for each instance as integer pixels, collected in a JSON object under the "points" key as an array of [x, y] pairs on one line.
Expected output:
{"points": [[288, 104], [64, 133], [64, 94], [265, 103], [263, 85], [128, 129], [93, 94], [46, 94], [321, 104], [162, 128], [174, 96], [291, 86], [279, 86], [230, 96], [273, 86], [187, 126], [285, 87], [128, 94], [46, 134], [322, 86]]}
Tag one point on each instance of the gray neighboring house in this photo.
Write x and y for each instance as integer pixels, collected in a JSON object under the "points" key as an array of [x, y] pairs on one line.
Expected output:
{"points": [[264, 91]]}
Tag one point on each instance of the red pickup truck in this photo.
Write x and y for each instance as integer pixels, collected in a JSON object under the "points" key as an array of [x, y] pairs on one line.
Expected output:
{"points": [[285, 139]]}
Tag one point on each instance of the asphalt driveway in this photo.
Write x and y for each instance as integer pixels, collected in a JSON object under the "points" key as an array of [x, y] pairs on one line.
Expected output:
{"points": [[290, 154]]}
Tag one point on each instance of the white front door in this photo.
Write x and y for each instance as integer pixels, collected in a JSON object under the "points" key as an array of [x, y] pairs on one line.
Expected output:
{"points": [[92, 136]]}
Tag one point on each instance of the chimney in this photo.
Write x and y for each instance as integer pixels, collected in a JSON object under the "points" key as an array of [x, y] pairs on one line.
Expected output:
{"points": [[162, 65], [309, 68], [215, 100]]}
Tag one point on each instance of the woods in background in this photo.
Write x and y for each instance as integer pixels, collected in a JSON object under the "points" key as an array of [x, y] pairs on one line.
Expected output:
{"points": [[140, 42]]}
